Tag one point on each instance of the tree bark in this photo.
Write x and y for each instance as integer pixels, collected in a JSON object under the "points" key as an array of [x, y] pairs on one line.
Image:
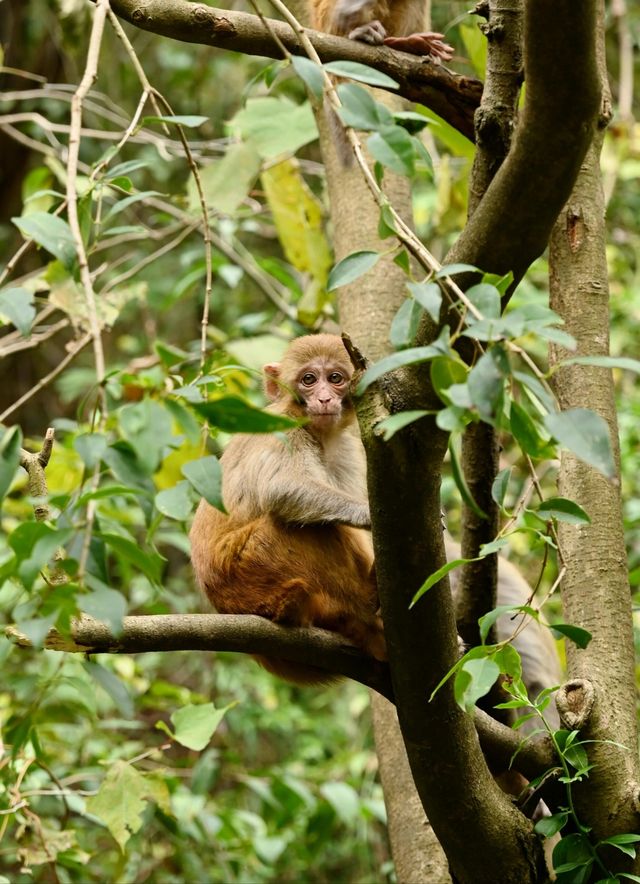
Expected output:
{"points": [[595, 589]]}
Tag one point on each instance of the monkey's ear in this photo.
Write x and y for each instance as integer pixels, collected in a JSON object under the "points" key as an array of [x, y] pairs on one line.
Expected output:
{"points": [[272, 385]]}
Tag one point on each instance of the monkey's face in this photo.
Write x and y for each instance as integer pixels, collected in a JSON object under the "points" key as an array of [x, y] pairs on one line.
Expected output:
{"points": [[323, 385]]}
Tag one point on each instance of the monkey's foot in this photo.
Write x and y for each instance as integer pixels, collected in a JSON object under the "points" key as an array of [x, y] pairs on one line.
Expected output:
{"points": [[373, 33], [429, 43]]}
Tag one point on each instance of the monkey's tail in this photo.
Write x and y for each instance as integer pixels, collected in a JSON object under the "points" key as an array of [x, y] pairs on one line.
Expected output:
{"points": [[297, 673]]}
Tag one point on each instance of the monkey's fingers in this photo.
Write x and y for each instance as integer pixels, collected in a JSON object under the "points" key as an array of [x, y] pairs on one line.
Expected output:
{"points": [[428, 43], [373, 33]]}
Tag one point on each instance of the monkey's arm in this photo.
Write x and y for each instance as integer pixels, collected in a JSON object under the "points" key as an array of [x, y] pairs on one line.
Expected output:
{"points": [[314, 503]]}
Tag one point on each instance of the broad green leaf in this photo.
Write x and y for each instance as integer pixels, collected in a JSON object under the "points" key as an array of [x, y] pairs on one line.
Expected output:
{"points": [[344, 800], [205, 475], [10, 452], [360, 72], [42, 552], [177, 502], [576, 634], [623, 362], [474, 679], [623, 843], [390, 425], [16, 306], [148, 428], [351, 268], [112, 685], [455, 141], [475, 45], [91, 447], [548, 826], [574, 852], [585, 434], [486, 298], [405, 324], [275, 125], [454, 269], [107, 605], [453, 419], [360, 109], [310, 73], [227, 181], [563, 510], [270, 847], [412, 356], [36, 629], [436, 577], [195, 725], [500, 486], [429, 296], [234, 415], [459, 478], [535, 391], [493, 546], [412, 121], [50, 232], [150, 563], [491, 617], [121, 801], [393, 147], [486, 384], [127, 201], [509, 662], [445, 373], [525, 431], [190, 122], [299, 219]]}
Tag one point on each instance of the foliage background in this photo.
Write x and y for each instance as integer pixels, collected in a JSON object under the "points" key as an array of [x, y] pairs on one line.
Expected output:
{"points": [[287, 788]]}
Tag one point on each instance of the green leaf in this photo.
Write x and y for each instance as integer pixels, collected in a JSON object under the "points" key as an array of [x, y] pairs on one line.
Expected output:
{"points": [[234, 415], [310, 73], [500, 486], [525, 431], [275, 125], [390, 425], [190, 122], [344, 799], [486, 384], [586, 434], [393, 147], [461, 483], [10, 451], [490, 618], [16, 306], [486, 298], [127, 201], [50, 232], [360, 72], [576, 634], [113, 687], [454, 269], [120, 801], [445, 373], [150, 563], [405, 324], [107, 605], [360, 110], [148, 427], [226, 182], [474, 680], [351, 268], [205, 475], [413, 355], [436, 577], [429, 296], [550, 825], [623, 362], [91, 447], [412, 121], [563, 510], [195, 725], [44, 549], [175, 503]]}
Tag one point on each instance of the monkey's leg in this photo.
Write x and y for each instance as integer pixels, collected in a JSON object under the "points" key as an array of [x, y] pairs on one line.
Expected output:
{"points": [[427, 43]]}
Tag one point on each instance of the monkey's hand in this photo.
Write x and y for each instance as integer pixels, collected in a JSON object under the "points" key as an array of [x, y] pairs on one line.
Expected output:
{"points": [[429, 43], [350, 16]]}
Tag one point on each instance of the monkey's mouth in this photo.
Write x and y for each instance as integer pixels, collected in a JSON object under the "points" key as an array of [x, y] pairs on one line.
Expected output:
{"points": [[324, 415]]}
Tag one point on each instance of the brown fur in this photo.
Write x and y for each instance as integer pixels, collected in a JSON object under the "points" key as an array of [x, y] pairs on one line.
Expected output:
{"points": [[290, 549]]}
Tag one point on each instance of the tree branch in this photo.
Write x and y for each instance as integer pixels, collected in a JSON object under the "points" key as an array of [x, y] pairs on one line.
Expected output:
{"points": [[246, 633], [451, 96]]}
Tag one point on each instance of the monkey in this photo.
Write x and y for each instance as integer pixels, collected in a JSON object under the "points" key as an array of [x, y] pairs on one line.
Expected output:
{"points": [[395, 23], [294, 546]]}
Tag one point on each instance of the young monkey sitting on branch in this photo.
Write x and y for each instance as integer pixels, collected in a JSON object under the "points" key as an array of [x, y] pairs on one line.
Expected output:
{"points": [[395, 23], [293, 548]]}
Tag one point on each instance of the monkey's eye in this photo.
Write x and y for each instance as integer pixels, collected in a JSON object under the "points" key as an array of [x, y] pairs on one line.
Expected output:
{"points": [[308, 379], [336, 377]]}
